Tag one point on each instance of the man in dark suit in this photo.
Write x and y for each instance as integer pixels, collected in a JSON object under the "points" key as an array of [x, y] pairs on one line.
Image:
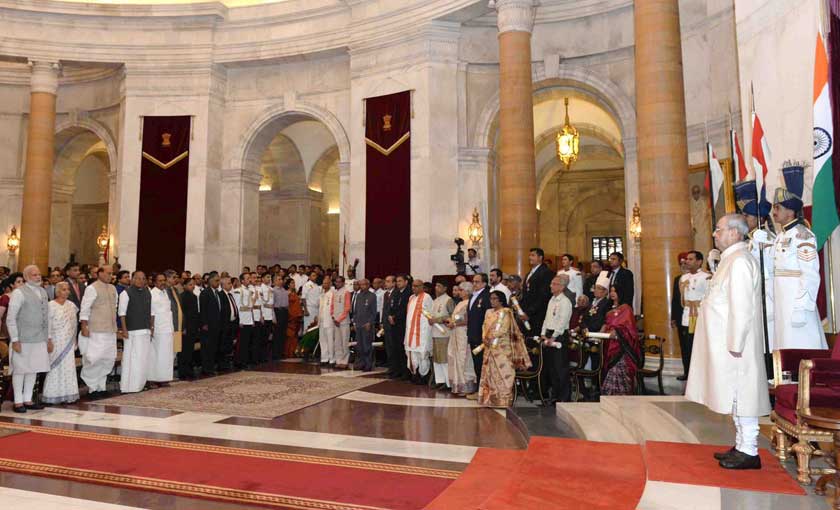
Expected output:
{"points": [[595, 268], [364, 320], [210, 307], [191, 326], [398, 311], [387, 328], [536, 291], [230, 325], [477, 308], [76, 282], [621, 278]]}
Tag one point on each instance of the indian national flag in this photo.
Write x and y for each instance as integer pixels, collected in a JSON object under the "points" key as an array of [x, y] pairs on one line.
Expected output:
{"points": [[824, 213]]}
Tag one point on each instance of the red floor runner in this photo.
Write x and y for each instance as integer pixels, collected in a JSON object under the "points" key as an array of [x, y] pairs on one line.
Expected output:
{"points": [[204, 471], [488, 469], [573, 474], [694, 464]]}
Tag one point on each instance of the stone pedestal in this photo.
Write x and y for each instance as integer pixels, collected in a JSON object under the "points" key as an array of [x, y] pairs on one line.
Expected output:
{"points": [[40, 157], [662, 157]]}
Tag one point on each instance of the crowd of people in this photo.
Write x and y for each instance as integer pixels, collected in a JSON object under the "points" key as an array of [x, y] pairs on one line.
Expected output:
{"points": [[469, 337]]}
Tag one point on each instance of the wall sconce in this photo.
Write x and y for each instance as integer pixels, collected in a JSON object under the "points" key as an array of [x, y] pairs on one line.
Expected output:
{"points": [[636, 224], [475, 232], [13, 241]]}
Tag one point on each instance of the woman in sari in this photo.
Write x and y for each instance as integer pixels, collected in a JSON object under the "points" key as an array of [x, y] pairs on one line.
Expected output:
{"points": [[295, 319], [622, 356], [61, 385], [460, 362], [504, 354], [11, 283]]}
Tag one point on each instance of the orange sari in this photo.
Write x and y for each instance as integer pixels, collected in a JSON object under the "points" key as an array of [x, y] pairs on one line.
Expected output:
{"points": [[293, 325]]}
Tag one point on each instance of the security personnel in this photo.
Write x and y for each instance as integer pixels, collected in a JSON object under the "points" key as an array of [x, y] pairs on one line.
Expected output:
{"points": [[761, 239], [796, 269]]}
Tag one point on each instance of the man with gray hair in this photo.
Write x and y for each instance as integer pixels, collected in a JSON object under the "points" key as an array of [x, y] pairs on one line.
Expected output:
{"points": [[364, 320], [727, 370], [98, 335], [27, 320]]}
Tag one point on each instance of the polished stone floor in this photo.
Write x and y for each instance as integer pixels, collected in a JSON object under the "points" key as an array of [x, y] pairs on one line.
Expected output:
{"points": [[394, 422]]}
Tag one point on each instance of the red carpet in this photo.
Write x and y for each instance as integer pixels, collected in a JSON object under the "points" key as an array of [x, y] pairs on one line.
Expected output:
{"points": [[572, 474], [271, 479], [488, 469], [694, 464]]}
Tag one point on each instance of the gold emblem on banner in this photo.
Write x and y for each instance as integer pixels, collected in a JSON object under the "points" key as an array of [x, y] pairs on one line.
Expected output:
{"points": [[165, 139], [386, 122]]}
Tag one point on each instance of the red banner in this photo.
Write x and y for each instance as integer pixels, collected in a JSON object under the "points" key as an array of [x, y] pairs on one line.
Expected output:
{"points": [[164, 176], [388, 213]]}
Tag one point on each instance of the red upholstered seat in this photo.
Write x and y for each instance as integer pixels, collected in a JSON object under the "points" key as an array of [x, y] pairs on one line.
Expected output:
{"points": [[825, 389], [786, 397]]}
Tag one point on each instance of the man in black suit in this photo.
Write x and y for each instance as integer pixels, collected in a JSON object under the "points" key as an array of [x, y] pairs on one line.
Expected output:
{"points": [[398, 311], [536, 291], [191, 325], [230, 325], [76, 282], [210, 306], [387, 328], [595, 268], [477, 308], [621, 278]]}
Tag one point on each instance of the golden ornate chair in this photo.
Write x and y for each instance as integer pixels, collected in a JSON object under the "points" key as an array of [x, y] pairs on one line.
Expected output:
{"points": [[533, 374], [819, 385], [651, 344]]}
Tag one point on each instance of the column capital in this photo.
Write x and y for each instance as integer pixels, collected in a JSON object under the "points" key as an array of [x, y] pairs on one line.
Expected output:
{"points": [[515, 15], [45, 75]]}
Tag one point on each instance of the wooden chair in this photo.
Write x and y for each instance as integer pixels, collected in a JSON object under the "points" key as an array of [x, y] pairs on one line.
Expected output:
{"points": [[651, 344], [532, 374], [588, 350]]}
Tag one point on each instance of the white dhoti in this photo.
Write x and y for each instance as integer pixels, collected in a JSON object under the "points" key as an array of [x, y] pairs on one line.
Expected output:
{"points": [[325, 340], [419, 363], [418, 334], [135, 361], [340, 339], [162, 356], [99, 351]]}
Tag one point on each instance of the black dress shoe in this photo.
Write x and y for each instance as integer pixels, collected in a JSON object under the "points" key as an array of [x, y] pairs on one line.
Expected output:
{"points": [[34, 407], [20, 409], [682, 377], [724, 455], [740, 460]]}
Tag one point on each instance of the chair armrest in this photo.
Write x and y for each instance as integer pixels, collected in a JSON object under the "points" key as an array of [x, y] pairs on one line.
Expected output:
{"points": [[825, 372]]}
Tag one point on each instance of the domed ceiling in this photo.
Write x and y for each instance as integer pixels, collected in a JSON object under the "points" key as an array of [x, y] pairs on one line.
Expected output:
{"points": [[229, 3]]}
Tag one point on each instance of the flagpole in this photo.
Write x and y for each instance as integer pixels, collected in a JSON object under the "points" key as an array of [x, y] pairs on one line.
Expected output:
{"points": [[830, 265]]}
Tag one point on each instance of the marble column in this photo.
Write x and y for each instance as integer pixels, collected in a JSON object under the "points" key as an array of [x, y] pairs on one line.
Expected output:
{"points": [[517, 177], [40, 157], [662, 158]]}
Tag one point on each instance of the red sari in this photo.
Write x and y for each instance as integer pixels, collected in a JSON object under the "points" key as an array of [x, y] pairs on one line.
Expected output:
{"points": [[293, 325], [621, 352]]}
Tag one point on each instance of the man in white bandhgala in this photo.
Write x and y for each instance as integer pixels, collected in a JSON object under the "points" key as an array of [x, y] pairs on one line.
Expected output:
{"points": [[27, 320], [135, 311], [418, 333], [727, 362], [98, 336], [442, 308], [311, 297], [162, 353]]}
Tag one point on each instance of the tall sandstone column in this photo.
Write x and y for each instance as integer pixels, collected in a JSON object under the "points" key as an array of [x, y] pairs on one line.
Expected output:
{"points": [[40, 157], [662, 156], [517, 176]]}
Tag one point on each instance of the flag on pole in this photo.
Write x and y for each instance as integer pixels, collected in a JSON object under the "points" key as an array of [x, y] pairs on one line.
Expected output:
{"points": [[344, 252], [739, 156], [824, 211], [760, 157], [714, 179]]}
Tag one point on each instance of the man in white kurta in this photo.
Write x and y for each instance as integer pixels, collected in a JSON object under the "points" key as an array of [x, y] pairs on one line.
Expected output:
{"points": [[418, 332], [325, 322], [162, 353], [311, 296], [727, 373], [442, 308], [135, 311], [98, 335], [27, 320]]}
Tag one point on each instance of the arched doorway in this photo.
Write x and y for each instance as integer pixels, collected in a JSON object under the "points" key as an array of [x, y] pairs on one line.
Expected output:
{"points": [[296, 157], [80, 196]]}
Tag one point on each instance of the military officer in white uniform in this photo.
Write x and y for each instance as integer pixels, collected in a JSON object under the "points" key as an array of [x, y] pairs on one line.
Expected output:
{"points": [[761, 239], [575, 277], [796, 270], [693, 285]]}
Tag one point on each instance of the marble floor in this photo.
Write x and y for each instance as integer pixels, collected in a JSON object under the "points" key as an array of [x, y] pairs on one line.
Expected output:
{"points": [[390, 421]]}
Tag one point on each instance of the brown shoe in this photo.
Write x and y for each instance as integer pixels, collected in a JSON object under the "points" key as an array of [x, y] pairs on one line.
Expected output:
{"points": [[472, 396]]}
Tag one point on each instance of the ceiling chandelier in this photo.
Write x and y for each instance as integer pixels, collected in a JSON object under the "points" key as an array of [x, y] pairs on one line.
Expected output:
{"points": [[568, 141]]}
